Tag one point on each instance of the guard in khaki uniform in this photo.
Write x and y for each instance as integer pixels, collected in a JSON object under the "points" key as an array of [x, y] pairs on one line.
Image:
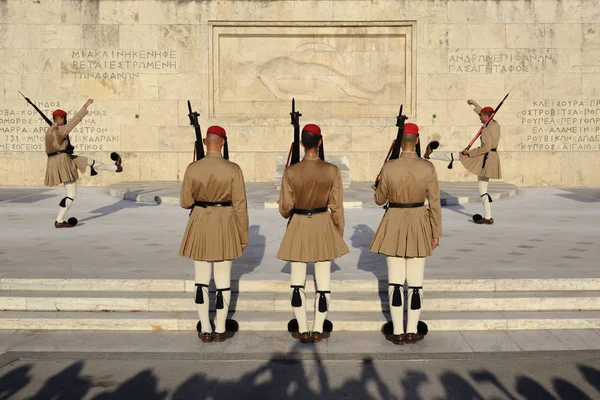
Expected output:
{"points": [[62, 165], [408, 232], [217, 231], [482, 161], [308, 189]]}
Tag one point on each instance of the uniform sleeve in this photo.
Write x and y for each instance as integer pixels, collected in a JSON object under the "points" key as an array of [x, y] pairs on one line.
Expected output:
{"points": [[382, 194], [286, 196], [186, 197], [68, 127], [336, 202], [435, 207], [477, 108], [240, 205], [486, 144]]}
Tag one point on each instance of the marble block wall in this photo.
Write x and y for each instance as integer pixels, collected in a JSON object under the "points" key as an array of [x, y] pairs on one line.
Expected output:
{"points": [[241, 62]]}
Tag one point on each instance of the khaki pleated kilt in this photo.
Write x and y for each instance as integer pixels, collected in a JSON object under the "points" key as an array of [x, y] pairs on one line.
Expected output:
{"points": [[62, 168], [211, 235], [404, 232], [311, 239], [475, 165]]}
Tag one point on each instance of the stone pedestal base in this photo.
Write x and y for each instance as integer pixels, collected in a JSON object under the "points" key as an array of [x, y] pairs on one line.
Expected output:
{"points": [[339, 161]]}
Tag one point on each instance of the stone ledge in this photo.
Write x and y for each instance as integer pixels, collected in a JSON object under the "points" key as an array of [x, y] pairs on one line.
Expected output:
{"points": [[265, 195]]}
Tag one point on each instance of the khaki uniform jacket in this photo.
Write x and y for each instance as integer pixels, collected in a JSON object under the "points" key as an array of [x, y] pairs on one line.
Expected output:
{"points": [[312, 183], [63, 168], [408, 232], [214, 233], [474, 162]]}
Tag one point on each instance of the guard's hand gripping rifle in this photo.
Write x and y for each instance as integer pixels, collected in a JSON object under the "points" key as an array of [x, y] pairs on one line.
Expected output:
{"points": [[294, 154], [198, 146], [394, 151]]}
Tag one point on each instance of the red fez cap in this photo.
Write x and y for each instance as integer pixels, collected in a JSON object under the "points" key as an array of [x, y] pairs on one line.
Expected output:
{"points": [[59, 113], [411, 129], [216, 130], [312, 128], [487, 110]]}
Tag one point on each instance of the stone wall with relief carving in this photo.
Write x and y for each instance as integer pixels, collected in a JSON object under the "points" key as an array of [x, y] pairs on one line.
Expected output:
{"points": [[240, 63]]}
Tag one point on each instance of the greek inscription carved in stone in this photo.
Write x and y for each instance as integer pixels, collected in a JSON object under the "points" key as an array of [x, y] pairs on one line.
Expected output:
{"points": [[499, 61], [22, 129], [562, 125], [119, 64]]}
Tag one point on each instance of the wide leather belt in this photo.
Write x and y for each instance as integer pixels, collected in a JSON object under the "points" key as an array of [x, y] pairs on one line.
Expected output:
{"points": [[309, 211], [57, 153], [405, 205], [205, 204]]}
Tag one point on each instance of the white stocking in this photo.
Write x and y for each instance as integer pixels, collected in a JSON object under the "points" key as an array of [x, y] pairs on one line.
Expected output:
{"points": [[444, 156], [203, 272], [396, 276], [100, 166], [482, 185], [415, 270], [223, 286], [299, 279], [323, 277], [71, 188]]}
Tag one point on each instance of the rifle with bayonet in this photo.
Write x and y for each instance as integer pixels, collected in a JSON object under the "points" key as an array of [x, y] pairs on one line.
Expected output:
{"points": [[294, 154], [485, 124], [70, 148], [198, 146], [394, 151]]}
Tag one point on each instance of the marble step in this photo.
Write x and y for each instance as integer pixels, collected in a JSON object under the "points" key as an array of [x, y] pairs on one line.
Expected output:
{"points": [[276, 321], [283, 285], [265, 301]]}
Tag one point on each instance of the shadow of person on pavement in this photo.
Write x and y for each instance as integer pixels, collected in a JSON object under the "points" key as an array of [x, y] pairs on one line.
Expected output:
{"points": [[591, 375], [532, 390], [567, 391], [14, 380], [412, 383], [484, 376], [458, 388], [68, 384], [144, 385], [251, 258], [112, 208], [358, 388], [371, 262]]}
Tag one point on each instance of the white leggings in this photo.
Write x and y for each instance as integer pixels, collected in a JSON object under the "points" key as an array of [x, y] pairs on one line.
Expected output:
{"points": [[222, 281], [441, 156], [323, 278], [100, 166], [71, 189], [482, 185], [412, 271]]}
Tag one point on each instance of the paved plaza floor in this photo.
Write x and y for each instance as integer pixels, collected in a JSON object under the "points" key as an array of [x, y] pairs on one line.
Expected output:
{"points": [[539, 233]]}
